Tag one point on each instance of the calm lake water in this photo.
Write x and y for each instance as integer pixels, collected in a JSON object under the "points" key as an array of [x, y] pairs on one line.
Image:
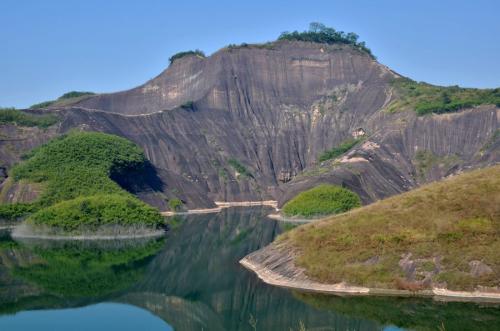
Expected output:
{"points": [[191, 280]]}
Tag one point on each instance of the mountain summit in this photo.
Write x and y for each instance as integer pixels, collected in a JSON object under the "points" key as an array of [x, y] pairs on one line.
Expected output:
{"points": [[266, 121]]}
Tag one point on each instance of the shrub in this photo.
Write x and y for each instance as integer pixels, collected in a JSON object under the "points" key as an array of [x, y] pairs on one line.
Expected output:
{"points": [[322, 200], [15, 211], [91, 213], [344, 147], [21, 118], [175, 204], [240, 168], [320, 33], [179, 55]]}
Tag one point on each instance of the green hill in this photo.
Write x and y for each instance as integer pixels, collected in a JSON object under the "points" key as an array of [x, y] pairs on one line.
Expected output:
{"points": [[76, 171], [450, 228]]}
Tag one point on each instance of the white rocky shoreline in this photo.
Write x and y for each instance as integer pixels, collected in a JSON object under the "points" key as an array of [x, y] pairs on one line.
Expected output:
{"points": [[278, 270]]}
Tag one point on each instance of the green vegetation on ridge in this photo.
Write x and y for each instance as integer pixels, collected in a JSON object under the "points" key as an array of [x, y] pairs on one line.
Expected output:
{"points": [[426, 98], [179, 55], [337, 151], [455, 221], [65, 99], [22, 118], [320, 33], [320, 201]]}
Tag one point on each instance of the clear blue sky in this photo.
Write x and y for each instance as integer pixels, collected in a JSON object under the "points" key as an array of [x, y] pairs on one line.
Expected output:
{"points": [[53, 46]]}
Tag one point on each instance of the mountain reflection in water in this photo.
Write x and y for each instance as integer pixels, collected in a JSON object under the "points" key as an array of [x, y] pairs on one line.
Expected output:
{"points": [[193, 281]]}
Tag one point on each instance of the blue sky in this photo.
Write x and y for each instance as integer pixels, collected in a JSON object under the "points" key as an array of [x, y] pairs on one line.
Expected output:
{"points": [[53, 46]]}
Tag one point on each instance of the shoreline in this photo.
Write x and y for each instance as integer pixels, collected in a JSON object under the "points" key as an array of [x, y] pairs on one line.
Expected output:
{"points": [[298, 281], [280, 218], [222, 205], [152, 234]]}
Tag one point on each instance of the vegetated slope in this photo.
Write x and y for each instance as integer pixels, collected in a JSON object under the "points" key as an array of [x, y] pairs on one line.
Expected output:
{"points": [[321, 201], [64, 100], [75, 171], [275, 109], [442, 234]]}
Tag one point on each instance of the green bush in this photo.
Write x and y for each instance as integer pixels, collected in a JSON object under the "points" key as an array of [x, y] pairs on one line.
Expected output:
{"points": [[15, 211], [91, 213], [344, 147], [21, 118], [179, 55], [320, 201], [240, 168], [175, 204], [319, 33]]}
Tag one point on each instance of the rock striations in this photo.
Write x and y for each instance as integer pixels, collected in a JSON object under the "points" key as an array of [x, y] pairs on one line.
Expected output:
{"points": [[249, 123]]}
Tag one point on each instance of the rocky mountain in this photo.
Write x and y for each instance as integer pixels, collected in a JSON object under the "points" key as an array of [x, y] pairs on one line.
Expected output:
{"points": [[249, 123]]}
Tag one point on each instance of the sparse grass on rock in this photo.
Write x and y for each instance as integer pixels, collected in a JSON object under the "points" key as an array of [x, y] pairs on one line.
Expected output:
{"points": [[444, 225]]}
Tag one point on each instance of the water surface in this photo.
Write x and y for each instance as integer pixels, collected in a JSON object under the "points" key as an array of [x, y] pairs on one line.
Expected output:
{"points": [[191, 280]]}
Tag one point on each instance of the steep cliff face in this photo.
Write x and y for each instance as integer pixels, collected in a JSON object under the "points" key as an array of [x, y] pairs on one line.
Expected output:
{"points": [[249, 123]]}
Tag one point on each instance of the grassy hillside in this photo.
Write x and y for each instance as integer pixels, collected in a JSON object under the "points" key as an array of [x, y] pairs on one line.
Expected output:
{"points": [[75, 171], [321, 200], [426, 98], [444, 225]]}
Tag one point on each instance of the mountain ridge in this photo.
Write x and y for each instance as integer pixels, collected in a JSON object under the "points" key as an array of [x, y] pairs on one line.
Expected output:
{"points": [[274, 108]]}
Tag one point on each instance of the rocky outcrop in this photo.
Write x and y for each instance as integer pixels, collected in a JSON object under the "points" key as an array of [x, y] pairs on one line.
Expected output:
{"points": [[275, 265], [272, 109]]}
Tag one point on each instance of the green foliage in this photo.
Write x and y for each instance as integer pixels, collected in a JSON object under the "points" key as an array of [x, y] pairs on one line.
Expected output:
{"points": [[80, 166], [337, 151], [321, 200], [15, 211], [319, 33], [21, 118], [92, 212], [175, 204], [179, 55], [63, 99], [426, 98], [75, 94], [79, 163], [240, 168]]}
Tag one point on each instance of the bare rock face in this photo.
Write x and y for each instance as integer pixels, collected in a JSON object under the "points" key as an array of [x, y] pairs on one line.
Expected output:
{"points": [[273, 110], [478, 268]]}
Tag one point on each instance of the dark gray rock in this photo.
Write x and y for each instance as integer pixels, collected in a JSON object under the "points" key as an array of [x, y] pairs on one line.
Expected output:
{"points": [[478, 268], [275, 110]]}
